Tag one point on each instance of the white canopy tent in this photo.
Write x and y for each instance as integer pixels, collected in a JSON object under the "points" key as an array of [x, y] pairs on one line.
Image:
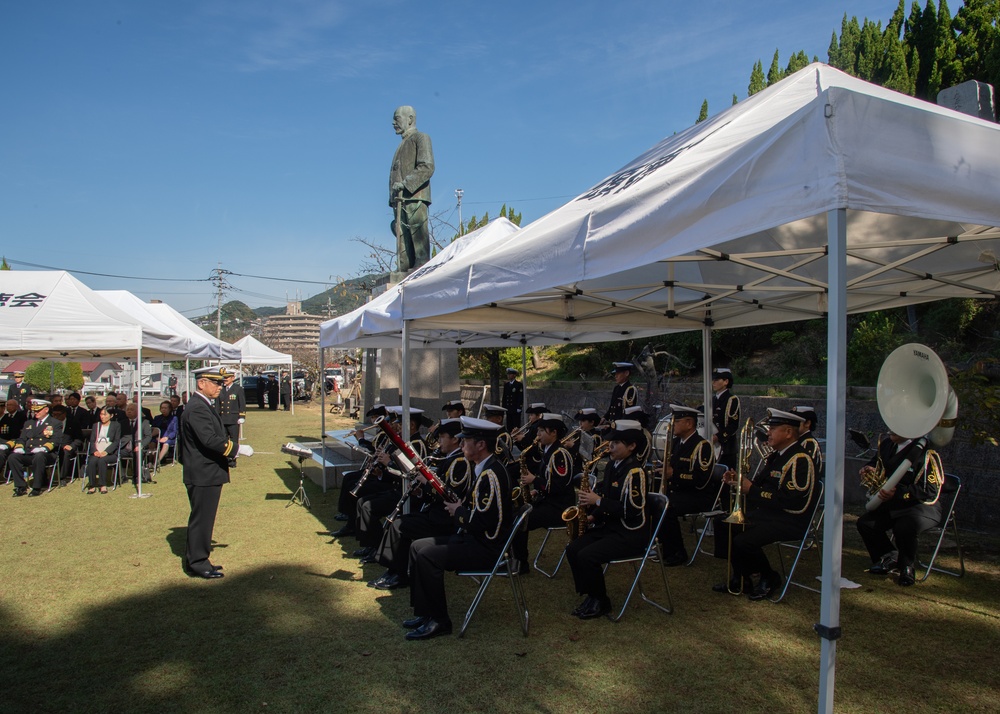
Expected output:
{"points": [[820, 196], [253, 351], [209, 346], [52, 315]]}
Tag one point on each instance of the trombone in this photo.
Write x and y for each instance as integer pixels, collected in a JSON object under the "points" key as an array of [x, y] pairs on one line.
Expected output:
{"points": [[737, 499]]}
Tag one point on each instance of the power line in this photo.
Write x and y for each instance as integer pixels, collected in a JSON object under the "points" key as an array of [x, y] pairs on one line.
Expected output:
{"points": [[108, 275], [511, 201], [285, 280]]}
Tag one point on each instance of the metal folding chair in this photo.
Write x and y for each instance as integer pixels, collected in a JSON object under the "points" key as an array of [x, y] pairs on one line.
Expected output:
{"points": [[541, 548], [810, 539], [656, 509], [950, 489], [502, 567], [706, 516]]}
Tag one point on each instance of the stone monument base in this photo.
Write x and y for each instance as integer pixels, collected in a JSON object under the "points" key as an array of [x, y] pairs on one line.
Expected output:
{"points": [[433, 379]]}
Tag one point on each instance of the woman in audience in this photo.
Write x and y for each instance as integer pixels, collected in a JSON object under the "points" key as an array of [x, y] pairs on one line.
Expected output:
{"points": [[166, 422], [105, 440]]}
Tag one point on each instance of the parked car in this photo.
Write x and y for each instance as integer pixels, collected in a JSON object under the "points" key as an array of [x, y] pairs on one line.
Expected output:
{"points": [[250, 388]]}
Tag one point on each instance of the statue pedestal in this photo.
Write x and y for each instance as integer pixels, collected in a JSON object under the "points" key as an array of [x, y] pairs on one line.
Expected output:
{"points": [[433, 374]]}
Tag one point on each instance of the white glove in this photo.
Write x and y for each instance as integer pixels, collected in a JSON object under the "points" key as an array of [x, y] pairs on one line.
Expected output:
{"points": [[19, 450], [39, 450], [240, 420], [246, 450], [3, 447]]}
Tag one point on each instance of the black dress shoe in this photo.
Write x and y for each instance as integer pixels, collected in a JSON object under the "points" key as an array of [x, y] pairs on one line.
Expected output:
{"points": [[35, 492], [375, 581], [884, 566], [587, 602], [598, 607], [391, 581], [766, 587], [363, 552], [368, 559], [211, 575], [341, 517], [415, 622], [19, 492], [345, 531], [676, 558], [907, 576], [431, 628], [217, 567]]}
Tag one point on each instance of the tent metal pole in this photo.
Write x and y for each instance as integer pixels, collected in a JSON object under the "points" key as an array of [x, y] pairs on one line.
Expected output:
{"points": [[404, 386], [828, 627], [706, 380], [291, 378], [322, 413], [137, 458], [187, 376], [524, 378]]}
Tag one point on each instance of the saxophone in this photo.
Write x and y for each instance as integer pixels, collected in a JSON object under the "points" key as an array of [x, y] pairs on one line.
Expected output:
{"points": [[521, 495], [575, 517]]}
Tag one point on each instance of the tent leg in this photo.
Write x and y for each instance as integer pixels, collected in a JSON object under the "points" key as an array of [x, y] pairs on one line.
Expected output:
{"points": [[404, 386], [137, 457], [836, 401], [524, 378], [322, 412], [706, 384]]}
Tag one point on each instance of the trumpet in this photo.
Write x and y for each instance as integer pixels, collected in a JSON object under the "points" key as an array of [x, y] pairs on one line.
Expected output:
{"points": [[570, 437], [520, 431]]}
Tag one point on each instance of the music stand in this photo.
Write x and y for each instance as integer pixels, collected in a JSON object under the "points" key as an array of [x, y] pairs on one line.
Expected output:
{"points": [[302, 454]]}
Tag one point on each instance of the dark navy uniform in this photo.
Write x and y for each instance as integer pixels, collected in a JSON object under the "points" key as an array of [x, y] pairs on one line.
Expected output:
{"points": [[512, 400], [620, 527], [690, 488], [20, 392], [11, 424], [484, 521], [780, 503], [553, 494], [204, 449], [913, 508], [811, 447], [45, 434], [726, 417], [373, 508], [374, 483], [232, 406], [624, 395]]}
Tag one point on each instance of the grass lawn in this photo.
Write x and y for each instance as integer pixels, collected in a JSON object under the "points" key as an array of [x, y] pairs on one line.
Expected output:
{"points": [[97, 616]]}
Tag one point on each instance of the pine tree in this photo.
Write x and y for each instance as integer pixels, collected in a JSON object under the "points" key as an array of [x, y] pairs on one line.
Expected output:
{"points": [[735, 99], [850, 36], [703, 114], [796, 62], [3, 264], [894, 71], [833, 52], [774, 71], [756, 79]]}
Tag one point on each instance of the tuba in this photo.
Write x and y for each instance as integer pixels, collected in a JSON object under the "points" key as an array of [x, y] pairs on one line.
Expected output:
{"points": [[915, 401]]}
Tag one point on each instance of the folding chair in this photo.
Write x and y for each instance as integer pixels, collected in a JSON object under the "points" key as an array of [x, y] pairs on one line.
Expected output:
{"points": [[809, 539], [706, 516], [121, 462], [950, 489], [656, 509], [502, 567], [538, 556]]}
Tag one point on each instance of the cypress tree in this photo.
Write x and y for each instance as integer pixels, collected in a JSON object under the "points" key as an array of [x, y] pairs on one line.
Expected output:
{"points": [[756, 79], [774, 71], [735, 100], [703, 114], [833, 53], [850, 36], [796, 62], [894, 71], [949, 70], [870, 51]]}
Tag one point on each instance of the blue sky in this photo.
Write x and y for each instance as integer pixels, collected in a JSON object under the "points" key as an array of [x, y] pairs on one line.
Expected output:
{"points": [[165, 139]]}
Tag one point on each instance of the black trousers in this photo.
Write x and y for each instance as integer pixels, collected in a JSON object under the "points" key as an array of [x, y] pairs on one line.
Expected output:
{"points": [[36, 463], [98, 466], [394, 550], [587, 555], [905, 524], [749, 541], [430, 558], [66, 459], [547, 514], [348, 504], [204, 502], [371, 510], [680, 504]]}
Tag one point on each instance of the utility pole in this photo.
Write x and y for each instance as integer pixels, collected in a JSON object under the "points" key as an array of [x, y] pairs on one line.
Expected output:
{"points": [[458, 196], [219, 278]]}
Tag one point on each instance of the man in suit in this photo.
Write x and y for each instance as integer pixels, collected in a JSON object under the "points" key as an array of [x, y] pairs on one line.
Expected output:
{"points": [[204, 448], [272, 392], [410, 190], [261, 390], [72, 440], [11, 424], [512, 399], [35, 448], [232, 406], [19, 390]]}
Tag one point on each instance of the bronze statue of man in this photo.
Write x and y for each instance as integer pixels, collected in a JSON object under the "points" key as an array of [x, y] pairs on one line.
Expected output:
{"points": [[410, 191]]}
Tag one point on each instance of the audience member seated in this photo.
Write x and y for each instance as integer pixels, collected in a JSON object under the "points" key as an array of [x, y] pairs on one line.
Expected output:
{"points": [[166, 422], [72, 439], [105, 442], [35, 449], [11, 424]]}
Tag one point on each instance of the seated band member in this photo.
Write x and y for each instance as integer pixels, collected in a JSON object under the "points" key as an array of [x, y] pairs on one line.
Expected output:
{"points": [[11, 424], [618, 510], [454, 409], [36, 449], [779, 504], [427, 517], [624, 394], [103, 447], [347, 503], [551, 485], [505, 445], [371, 509], [688, 478], [907, 510], [808, 439], [484, 519], [588, 439], [637, 413]]}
